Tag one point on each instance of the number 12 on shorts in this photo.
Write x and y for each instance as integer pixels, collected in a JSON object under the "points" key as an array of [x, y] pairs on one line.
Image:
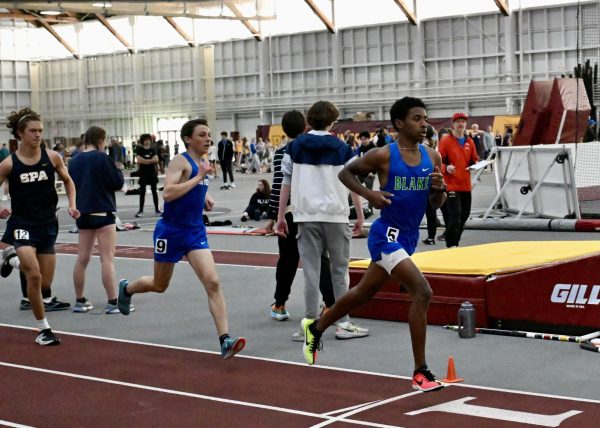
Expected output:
{"points": [[161, 246]]}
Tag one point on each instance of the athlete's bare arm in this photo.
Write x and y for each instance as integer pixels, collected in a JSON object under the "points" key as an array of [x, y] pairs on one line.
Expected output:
{"points": [[375, 160], [177, 181], [61, 170], [437, 196], [209, 203], [5, 169]]}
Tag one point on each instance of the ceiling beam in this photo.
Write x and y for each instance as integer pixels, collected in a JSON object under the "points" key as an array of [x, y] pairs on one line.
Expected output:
{"points": [[503, 6], [181, 32], [58, 37], [411, 16], [326, 21], [239, 15], [114, 32], [27, 17]]}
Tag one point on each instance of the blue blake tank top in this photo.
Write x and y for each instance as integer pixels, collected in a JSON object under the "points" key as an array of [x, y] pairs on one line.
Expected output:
{"points": [[410, 187], [187, 210]]}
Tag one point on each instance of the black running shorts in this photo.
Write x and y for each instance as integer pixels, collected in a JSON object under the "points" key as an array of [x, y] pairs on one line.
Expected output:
{"points": [[95, 220], [21, 234]]}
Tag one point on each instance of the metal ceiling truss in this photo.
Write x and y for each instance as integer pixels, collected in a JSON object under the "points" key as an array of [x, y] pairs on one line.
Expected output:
{"points": [[75, 11], [412, 18], [503, 6], [190, 41], [329, 24]]}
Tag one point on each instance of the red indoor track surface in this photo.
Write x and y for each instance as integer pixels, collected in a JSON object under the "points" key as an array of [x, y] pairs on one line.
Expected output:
{"points": [[221, 257], [103, 382]]}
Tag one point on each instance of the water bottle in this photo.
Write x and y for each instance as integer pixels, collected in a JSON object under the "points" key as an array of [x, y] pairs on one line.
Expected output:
{"points": [[466, 320]]}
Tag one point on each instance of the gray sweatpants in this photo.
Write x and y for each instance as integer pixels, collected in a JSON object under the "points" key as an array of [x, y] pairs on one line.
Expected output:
{"points": [[313, 239]]}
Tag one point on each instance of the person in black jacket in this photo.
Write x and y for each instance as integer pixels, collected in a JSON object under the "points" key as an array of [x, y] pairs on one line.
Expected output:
{"points": [[147, 159], [259, 202], [225, 155], [96, 179]]}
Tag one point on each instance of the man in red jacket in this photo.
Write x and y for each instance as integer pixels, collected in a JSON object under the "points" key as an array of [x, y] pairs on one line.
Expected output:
{"points": [[458, 153]]}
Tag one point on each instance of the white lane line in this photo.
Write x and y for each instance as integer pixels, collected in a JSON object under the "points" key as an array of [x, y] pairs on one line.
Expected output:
{"points": [[343, 416], [340, 369], [183, 394], [13, 425], [333, 412]]}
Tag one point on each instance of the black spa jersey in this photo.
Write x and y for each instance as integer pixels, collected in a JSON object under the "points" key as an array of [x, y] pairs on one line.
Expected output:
{"points": [[32, 190]]}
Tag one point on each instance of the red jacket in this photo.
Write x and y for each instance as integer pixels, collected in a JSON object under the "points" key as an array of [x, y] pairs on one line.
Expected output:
{"points": [[461, 157]]}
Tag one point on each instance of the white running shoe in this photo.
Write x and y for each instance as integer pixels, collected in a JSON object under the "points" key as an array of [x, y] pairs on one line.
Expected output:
{"points": [[298, 336], [349, 330], [83, 307]]}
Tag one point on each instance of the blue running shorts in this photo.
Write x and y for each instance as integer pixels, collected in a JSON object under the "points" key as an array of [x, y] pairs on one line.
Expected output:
{"points": [[172, 242], [387, 239]]}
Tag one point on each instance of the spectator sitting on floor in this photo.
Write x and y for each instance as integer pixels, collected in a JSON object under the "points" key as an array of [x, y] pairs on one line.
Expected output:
{"points": [[259, 202]]}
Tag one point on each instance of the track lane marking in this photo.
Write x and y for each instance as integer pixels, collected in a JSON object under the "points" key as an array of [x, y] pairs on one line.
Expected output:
{"points": [[333, 412], [188, 394], [316, 367], [13, 425], [369, 406]]}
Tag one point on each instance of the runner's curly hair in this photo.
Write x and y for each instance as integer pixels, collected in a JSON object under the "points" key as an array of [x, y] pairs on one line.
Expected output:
{"points": [[17, 121]]}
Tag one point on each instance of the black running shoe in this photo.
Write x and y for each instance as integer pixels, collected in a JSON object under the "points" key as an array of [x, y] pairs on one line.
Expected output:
{"points": [[47, 338], [7, 254], [25, 305], [54, 305], [428, 241]]}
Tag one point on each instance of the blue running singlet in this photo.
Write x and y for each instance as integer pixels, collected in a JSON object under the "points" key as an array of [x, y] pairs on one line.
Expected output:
{"points": [[181, 228], [398, 226]]}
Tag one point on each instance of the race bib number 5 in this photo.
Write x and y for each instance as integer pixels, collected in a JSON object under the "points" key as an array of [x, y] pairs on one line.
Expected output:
{"points": [[161, 246], [392, 234]]}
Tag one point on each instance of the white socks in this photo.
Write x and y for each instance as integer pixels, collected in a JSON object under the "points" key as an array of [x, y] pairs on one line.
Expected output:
{"points": [[42, 324], [14, 262]]}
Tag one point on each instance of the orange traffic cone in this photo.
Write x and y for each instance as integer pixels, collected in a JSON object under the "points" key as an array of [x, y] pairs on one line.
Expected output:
{"points": [[451, 375]]}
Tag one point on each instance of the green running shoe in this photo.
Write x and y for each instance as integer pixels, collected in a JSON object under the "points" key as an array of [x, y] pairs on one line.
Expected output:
{"points": [[312, 343]]}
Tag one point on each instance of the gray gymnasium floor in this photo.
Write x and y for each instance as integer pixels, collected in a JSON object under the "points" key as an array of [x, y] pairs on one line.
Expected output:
{"points": [[180, 317]]}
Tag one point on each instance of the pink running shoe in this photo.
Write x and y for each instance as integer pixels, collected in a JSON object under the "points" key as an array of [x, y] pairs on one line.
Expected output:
{"points": [[424, 380]]}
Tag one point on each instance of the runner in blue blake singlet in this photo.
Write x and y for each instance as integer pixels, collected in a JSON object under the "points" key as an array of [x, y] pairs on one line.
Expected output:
{"points": [[181, 232], [181, 228], [403, 198], [398, 226]]}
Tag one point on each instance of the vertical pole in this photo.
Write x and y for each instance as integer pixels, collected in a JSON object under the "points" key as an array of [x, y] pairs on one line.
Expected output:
{"points": [[208, 62]]}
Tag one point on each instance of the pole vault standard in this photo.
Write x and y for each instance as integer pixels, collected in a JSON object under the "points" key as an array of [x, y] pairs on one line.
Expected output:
{"points": [[531, 335]]}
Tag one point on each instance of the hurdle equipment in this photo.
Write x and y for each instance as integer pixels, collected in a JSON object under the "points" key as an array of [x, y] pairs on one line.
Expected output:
{"points": [[451, 373], [529, 335]]}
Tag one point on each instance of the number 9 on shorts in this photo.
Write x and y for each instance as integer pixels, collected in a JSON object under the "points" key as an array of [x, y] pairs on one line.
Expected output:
{"points": [[160, 247]]}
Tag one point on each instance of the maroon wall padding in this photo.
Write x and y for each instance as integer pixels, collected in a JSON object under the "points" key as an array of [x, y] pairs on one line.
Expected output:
{"points": [[526, 295], [567, 95], [449, 292], [535, 112]]}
